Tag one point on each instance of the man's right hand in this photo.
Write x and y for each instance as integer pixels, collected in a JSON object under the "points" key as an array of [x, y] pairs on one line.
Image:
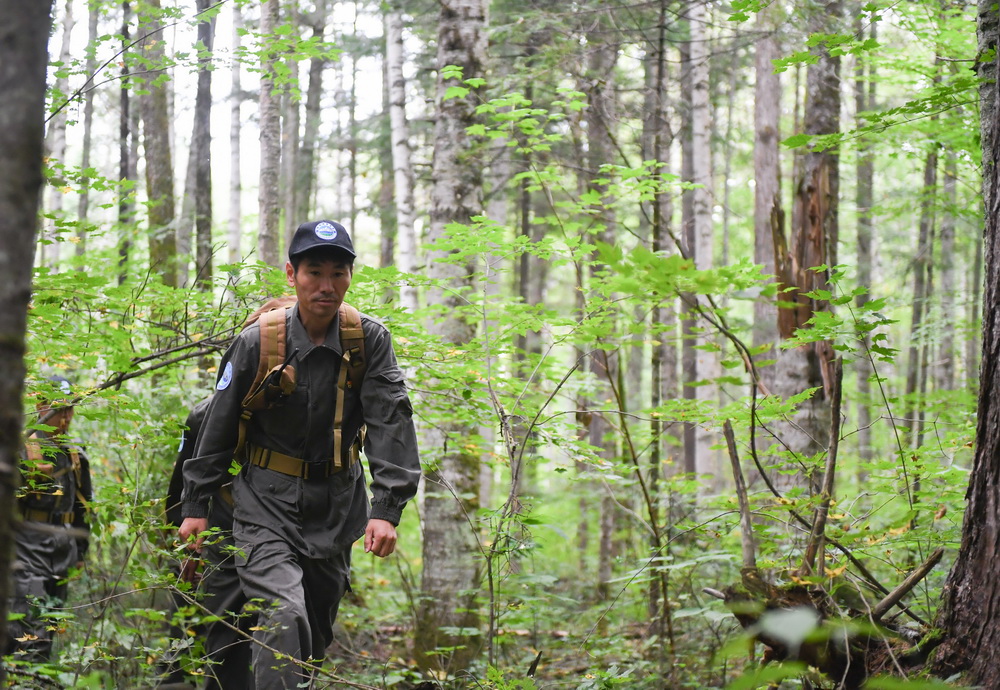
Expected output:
{"points": [[191, 530]]}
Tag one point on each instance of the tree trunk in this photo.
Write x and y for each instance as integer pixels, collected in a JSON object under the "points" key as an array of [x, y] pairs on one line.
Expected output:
{"points": [[268, 196], [24, 35], [663, 352], [921, 300], [83, 201], [402, 170], [769, 217], [945, 369], [864, 99], [201, 148], [689, 323], [450, 576], [970, 611], [974, 288], [601, 120], [303, 190], [813, 243], [352, 132], [386, 205], [55, 139], [707, 366], [235, 127], [156, 143], [290, 122], [127, 154]]}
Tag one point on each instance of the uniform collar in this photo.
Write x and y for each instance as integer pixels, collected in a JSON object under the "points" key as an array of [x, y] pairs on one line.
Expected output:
{"points": [[298, 338]]}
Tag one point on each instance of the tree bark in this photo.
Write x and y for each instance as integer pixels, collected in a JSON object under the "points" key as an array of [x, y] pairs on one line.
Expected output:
{"points": [[127, 154], [450, 576], [864, 99], [201, 148], [915, 371], [769, 217], [24, 37], [234, 233], [945, 369], [813, 244], [290, 125], [156, 143], [268, 196], [702, 199], [303, 190], [83, 202], [970, 611], [402, 170], [601, 118], [55, 139]]}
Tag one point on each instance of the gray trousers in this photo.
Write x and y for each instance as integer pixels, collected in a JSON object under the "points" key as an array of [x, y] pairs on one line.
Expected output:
{"points": [[223, 596], [43, 562], [298, 598]]}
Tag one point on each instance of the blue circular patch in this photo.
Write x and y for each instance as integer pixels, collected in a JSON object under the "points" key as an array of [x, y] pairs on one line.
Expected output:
{"points": [[227, 377], [326, 231]]}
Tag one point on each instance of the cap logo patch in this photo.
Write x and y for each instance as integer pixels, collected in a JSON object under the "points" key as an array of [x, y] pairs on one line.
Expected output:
{"points": [[326, 231]]}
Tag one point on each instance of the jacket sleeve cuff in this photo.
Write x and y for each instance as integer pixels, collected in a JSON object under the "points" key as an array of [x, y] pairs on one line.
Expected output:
{"points": [[194, 509], [386, 511]]}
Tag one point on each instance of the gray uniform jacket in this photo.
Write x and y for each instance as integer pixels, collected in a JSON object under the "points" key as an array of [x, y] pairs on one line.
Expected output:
{"points": [[318, 517], [58, 491]]}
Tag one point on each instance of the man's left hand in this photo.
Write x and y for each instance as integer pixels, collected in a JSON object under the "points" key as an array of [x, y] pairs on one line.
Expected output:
{"points": [[380, 538]]}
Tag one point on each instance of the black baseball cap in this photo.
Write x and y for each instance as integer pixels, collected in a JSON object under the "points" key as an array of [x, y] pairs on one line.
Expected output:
{"points": [[61, 392], [320, 233]]}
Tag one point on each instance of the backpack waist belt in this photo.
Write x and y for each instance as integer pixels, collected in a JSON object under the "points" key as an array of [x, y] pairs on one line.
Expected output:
{"points": [[46, 516], [296, 467]]}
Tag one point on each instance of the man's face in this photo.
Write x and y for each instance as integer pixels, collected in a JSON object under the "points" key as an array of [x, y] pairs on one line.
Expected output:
{"points": [[60, 419], [320, 285]]}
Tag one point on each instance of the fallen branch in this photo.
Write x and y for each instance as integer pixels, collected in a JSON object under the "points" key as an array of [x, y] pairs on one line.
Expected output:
{"points": [[906, 585], [746, 527]]}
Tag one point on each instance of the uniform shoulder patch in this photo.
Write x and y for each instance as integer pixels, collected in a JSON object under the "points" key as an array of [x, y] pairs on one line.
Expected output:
{"points": [[226, 378]]}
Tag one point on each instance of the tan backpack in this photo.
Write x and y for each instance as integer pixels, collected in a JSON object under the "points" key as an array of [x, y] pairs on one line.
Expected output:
{"points": [[276, 376]]}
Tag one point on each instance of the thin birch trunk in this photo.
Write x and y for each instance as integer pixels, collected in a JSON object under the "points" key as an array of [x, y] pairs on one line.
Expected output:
{"points": [[201, 146], [126, 154], [601, 120], [55, 138], [921, 282], [268, 196], [450, 574], [402, 169], [352, 133], [236, 98], [945, 369], [707, 367], [769, 216], [83, 200], [689, 318], [386, 205], [290, 124], [864, 100]]}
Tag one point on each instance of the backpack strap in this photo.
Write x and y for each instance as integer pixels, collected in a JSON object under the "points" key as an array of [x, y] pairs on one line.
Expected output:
{"points": [[77, 466], [272, 356], [352, 371], [272, 347]]}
